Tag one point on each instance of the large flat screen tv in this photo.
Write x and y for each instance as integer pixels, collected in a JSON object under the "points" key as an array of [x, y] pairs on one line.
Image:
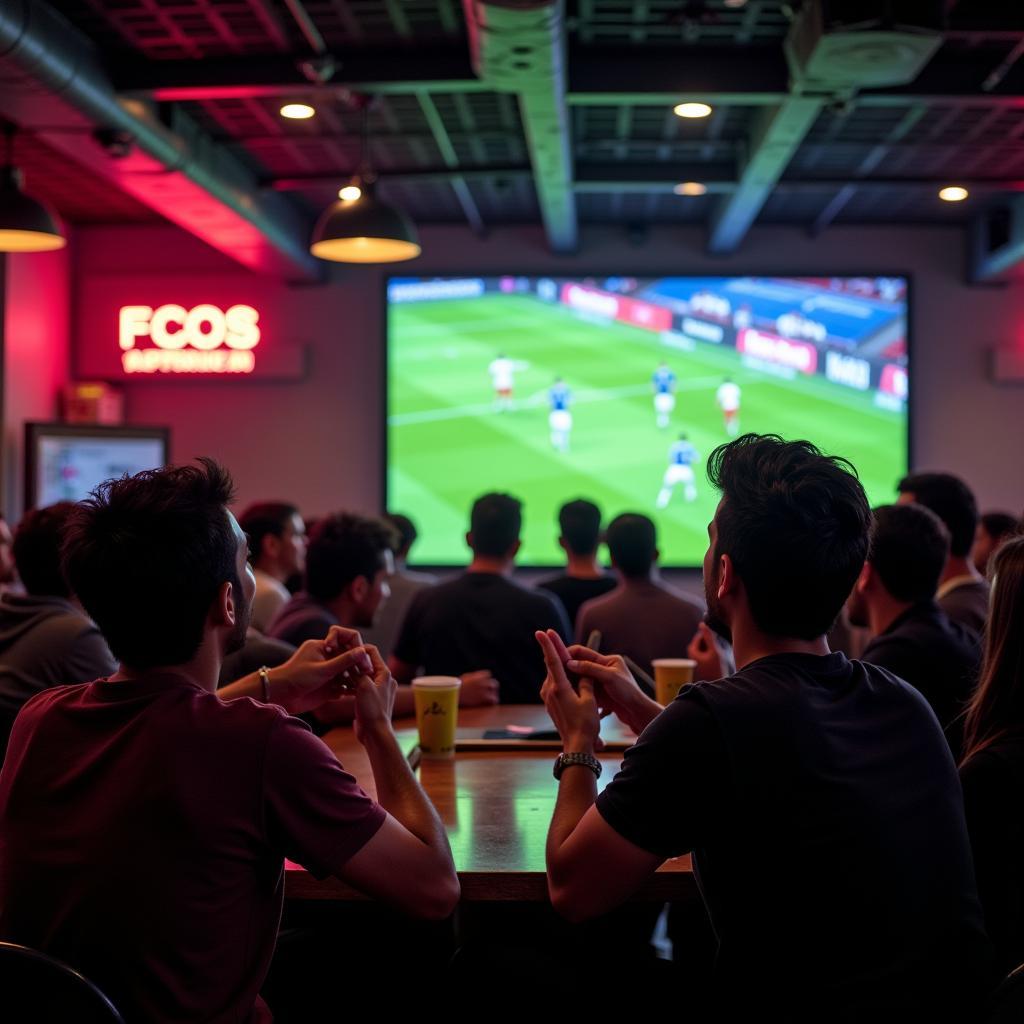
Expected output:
{"points": [[553, 388], [64, 462]]}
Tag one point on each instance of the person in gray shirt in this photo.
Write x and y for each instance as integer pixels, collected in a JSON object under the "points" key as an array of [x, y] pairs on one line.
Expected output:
{"points": [[45, 637], [642, 618]]}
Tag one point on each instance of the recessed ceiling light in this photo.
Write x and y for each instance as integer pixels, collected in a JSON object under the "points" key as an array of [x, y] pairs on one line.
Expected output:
{"points": [[692, 109], [953, 193], [297, 111], [735, 3], [349, 193], [690, 188]]}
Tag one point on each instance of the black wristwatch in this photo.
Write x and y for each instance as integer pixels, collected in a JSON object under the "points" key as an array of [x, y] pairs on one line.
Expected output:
{"points": [[564, 760]]}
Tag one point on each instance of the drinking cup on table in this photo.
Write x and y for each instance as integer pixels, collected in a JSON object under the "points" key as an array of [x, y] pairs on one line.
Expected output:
{"points": [[669, 675], [437, 711]]}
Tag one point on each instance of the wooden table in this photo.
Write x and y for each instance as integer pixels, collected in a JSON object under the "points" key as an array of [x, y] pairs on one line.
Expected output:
{"points": [[496, 806]]}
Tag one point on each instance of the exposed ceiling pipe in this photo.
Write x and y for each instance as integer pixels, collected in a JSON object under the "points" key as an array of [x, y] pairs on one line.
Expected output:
{"points": [[306, 26], [519, 46], [56, 87]]}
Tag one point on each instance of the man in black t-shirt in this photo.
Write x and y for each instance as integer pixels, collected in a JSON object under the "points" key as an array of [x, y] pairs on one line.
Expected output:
{"points": [[482, 623], [817, 795], [911, 635], [583, 579]]}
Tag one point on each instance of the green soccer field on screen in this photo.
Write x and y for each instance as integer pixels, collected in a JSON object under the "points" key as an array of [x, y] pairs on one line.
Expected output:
{"points": [[618, 389]]}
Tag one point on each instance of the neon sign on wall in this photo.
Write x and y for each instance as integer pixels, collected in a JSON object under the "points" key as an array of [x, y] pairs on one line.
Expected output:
{"points": [[203, 339]]}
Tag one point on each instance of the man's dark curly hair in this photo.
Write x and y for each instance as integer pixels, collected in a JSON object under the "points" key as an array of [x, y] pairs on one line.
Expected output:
{"points": [[795, 523], [342, 547], [951, 500], [146, 556]]}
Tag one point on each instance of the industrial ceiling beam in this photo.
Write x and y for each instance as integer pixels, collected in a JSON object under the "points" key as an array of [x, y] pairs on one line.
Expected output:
{"points": [[366, 69], [598, 178], [613, 75], [777, 134], [875, 156], [597, 76], [55, 86], [653, 177], [406, 176], [306, 26], [608, 76], [451, 159], [521, 48], [826, 63]]}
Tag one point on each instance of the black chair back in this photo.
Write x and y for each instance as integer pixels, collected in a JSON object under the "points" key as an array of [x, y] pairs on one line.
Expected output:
{"points": [[37, 987]]}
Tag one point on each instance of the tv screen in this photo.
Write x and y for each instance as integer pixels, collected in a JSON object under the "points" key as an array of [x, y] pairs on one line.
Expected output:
{"points": [[617, 389], [64, 462]]}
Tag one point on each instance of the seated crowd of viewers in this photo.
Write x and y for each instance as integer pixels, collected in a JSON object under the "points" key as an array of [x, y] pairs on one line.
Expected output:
{"points": [[883, 795]]}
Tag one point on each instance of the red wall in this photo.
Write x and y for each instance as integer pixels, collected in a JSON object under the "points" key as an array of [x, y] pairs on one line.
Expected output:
{"points": [[318, 441], [37, 349]]}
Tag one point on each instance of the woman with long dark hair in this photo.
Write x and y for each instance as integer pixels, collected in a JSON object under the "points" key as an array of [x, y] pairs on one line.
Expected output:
{"points": [[992, 768]]}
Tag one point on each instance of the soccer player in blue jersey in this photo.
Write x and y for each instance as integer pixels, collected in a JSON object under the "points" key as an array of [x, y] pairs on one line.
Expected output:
{"points": [[664, 382], [560, 419], [681, 457]]}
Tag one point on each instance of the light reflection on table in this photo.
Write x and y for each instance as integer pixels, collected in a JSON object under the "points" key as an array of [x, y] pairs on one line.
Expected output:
{"points": [[496, 806]]}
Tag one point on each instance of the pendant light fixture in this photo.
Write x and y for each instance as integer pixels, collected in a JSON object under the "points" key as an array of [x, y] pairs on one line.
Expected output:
{"points": [[364, 229], [26, 224]]}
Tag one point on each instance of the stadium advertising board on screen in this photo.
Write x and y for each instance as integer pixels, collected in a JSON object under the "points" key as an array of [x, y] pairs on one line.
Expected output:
{"points": [[617, 389]]}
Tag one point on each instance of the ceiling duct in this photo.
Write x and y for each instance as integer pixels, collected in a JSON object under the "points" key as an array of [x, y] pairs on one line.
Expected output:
{"points": [[843, 47], [54, 85], [518, 46], [833, 50]]}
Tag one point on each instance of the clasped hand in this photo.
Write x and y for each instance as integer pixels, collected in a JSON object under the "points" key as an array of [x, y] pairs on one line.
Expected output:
{"points": [[341, 667]]}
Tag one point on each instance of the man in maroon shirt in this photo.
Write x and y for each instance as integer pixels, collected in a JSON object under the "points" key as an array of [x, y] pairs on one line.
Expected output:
{"points": [[145, 818]]}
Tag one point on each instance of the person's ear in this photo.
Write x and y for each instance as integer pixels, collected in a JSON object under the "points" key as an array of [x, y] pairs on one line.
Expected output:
{"points": [[469, 540], [728, 581], [563, 545], [515, 549], [224, 610], [358, 589], [865, 579]]}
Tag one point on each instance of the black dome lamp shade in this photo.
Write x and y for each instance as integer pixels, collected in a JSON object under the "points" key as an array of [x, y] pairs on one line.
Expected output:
{"points": [[365, 230], [26, 225]]}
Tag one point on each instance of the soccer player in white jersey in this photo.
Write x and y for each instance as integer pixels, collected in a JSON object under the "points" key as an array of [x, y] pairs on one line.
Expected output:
{"points": [[681, 457], [664, 383], [502, 370], [728, 399], [559, 419]]}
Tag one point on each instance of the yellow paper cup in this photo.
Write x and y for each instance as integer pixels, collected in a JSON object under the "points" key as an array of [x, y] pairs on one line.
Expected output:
{"points": [[437, 712], [669, 675]]}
